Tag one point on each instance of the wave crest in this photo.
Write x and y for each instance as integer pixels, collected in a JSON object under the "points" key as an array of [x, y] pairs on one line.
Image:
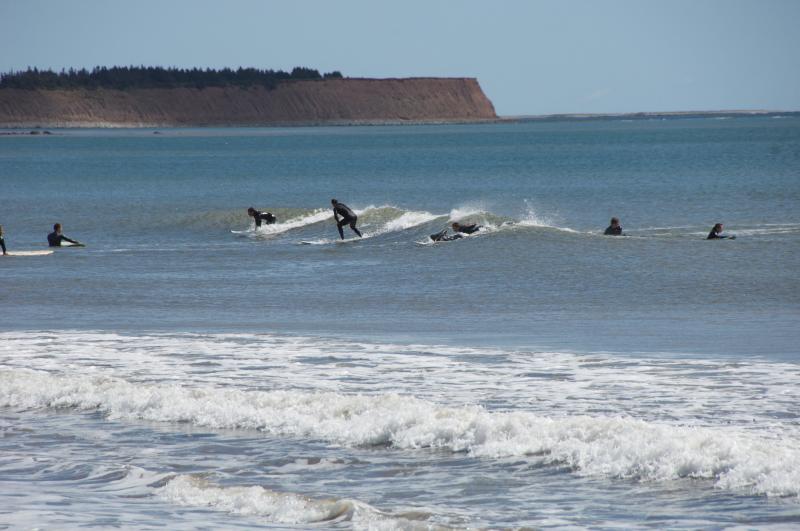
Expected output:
{"points": [[620, 447], [285, 507]]}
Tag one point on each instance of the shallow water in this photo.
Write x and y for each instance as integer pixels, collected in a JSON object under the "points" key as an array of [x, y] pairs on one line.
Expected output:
{"points": [[187, 370]]}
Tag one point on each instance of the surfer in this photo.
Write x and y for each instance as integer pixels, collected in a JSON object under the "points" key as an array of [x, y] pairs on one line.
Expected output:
{"points": [[3, 241], [266, 217], [55, 238], [459, 231], [442, 236], [716, 233], [614, 229], [466, 229], [348, 217]]}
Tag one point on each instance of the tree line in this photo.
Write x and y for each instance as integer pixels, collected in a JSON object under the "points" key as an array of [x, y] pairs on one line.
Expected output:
{"points": [[128, 77]]}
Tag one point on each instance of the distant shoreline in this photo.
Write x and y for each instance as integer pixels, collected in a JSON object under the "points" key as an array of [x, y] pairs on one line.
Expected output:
{"points": [[582, 117], [576, 117]]}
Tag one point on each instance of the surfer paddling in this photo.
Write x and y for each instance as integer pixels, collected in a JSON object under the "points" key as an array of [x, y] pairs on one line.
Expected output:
{"points": [[466, 229], [259, 217], [442, 236], [459, 231], [716, 233], [348, 217], [56, 238], [614, 228]]}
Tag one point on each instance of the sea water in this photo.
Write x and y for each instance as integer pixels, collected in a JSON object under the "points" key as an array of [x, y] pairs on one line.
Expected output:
{"points": [[188, 370]]}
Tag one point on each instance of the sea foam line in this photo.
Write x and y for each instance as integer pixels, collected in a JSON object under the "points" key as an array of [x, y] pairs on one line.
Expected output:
{"points": [[618, 447], [285, 507]]}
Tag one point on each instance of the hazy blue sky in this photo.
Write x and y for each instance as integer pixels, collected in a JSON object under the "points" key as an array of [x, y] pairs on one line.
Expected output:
{"points": [[531, 57]]}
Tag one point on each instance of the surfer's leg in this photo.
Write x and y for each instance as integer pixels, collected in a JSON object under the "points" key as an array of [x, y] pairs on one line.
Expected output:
{"points": [[339, 226], [353, 226]]}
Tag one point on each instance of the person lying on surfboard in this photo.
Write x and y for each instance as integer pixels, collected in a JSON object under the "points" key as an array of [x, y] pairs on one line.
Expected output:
{"points": [[266, 217], [442, 236], [348, 217], [466, 229], [459, 231], [3, 241], [55, 238]]}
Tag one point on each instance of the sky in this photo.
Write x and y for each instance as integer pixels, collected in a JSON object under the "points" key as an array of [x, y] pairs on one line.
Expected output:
{"points": [[531, 57]]}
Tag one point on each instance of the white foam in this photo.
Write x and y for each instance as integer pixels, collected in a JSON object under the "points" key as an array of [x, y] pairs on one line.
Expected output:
{"points": [[533, 219], [409, 220], [468, 210], [608, 446], [283, 507], [753, 394], [768, 229], [316, 216], [404, 221]]}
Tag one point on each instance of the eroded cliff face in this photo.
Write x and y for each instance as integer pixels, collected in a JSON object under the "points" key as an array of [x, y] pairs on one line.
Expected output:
{"points": [[297, 102]]}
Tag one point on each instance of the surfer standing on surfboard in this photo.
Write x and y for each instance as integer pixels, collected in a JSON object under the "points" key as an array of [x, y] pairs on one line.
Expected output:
{"points": [[348, 217], [55, 238], [3, 241], [266, 217]]}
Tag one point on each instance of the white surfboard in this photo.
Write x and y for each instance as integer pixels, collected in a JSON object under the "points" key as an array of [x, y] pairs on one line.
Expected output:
{"points": [[29, 253], [330, 241]]}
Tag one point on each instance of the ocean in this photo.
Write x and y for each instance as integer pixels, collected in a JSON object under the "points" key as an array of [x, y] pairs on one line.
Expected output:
{"points": [[186, 370]]}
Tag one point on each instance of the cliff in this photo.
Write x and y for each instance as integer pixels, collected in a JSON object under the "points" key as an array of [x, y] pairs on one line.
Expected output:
{"points": [[331, 101]]}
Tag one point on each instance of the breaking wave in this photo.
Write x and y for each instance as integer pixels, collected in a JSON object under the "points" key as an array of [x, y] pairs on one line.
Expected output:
{"points": [[315, 216], [617, 447], [380, 220], [283, 507]]}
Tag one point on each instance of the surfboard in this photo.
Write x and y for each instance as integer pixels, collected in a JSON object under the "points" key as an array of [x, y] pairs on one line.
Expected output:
{"points": [[331, 241], [29, 253]]}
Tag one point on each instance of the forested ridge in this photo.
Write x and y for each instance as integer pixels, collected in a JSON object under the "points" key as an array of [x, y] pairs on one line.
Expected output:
{"points": [[132, 77]]}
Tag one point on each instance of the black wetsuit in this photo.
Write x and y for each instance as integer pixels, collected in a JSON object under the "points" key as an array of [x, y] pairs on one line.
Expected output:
{"points": [[54, 239], [3, 244], [348, 217], [613, 231], [266, 217], [468, 229], [443, 237]]}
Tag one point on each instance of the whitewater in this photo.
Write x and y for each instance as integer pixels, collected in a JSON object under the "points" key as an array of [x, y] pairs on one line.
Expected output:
{"points": [[728, 427]]}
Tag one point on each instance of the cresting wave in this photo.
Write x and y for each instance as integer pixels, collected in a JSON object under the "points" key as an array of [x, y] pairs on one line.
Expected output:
{"points": [[315, 216], [376, 221], [385, 219], [617, 447], [285, 508]]}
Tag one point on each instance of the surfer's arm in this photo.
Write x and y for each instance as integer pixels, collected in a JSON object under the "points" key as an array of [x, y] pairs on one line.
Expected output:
{"points": [[335, 215], [70, 240], [258, 220]]}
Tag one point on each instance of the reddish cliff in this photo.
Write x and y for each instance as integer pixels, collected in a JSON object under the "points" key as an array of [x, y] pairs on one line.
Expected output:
{"points": [[296, 102]]}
